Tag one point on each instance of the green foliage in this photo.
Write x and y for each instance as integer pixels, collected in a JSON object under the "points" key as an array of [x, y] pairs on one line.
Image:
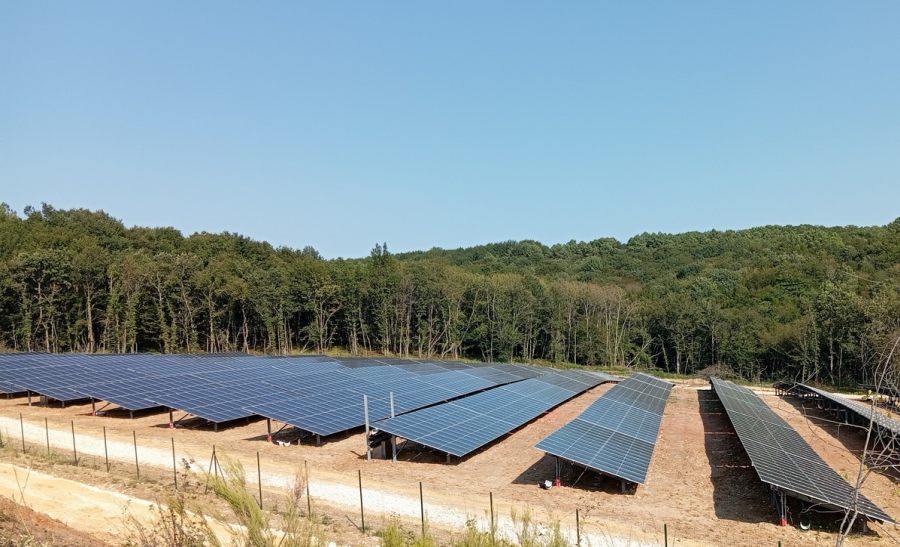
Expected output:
{"points": [[805, 302], [177, 525], [530, 534], [395, 535]]}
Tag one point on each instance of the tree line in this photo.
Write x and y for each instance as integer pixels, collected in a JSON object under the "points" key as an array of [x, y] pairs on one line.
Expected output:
{"points": [[800, 302]]}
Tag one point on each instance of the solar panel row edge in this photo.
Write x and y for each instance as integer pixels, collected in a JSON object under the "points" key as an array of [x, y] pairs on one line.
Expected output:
{"points": [[617, 434], [774, 448]]}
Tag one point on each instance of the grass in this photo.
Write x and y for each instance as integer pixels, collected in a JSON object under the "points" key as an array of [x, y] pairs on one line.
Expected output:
{"points": [[395, 535], [177, 524], [527, 532]]}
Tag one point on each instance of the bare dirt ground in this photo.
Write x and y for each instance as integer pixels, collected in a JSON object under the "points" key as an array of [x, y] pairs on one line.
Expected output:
{"points": [[700, 484], [20, 525]]}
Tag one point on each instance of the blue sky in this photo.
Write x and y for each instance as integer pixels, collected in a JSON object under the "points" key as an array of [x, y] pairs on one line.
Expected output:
{"points": [[339, 124]]}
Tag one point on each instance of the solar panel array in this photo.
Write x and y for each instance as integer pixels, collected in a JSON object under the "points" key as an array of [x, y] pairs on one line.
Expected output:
{"points": [[864, 411], [882, 389], [617, 434], [337, 406], [317, 394], [782, 458], [462, 426]]}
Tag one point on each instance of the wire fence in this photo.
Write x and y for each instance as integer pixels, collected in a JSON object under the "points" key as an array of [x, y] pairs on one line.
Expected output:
{"points": [[184, 468]]}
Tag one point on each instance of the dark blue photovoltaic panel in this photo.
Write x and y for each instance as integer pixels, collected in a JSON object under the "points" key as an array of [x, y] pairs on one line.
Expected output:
{"points": [[617, 434], [463, 425], [328, 407], [864, 411], [133, 381], [782, 458], [599, 448], [320, 393]]}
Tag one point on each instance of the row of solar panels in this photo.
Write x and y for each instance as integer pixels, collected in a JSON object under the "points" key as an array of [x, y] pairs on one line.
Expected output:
{"points": [[783, 459], [316, 394], [862, 411], [617, 434], [462, 426]]}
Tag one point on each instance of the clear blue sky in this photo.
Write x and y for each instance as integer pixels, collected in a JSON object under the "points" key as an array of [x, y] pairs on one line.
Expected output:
{"points": [[339, 124]]}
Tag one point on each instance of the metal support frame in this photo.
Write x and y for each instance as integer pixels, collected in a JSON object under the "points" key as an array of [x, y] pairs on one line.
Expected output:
{"points": [[393, 437], [366, 416], [271, 436], [779, 501], [175, 424]]}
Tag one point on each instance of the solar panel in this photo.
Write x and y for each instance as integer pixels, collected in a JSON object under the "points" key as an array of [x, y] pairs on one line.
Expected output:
{"points": [[782, 458], [462, 426], [863, 412], [617, 434], [333, 402], [319, 393]]}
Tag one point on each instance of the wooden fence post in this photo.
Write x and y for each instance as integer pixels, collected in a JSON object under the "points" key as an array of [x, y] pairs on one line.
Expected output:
{"points": [[174, 466], [259, 478], [362, 513], [577, 528], [493, 526], [308, 498], [422, 509], [105, 450], [137, 466], [74, 449]]}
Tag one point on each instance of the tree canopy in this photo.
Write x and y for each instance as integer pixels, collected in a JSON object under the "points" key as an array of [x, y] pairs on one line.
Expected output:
{"points": [[805, 302]]}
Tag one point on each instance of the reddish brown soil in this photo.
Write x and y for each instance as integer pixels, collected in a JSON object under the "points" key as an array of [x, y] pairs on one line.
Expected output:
{"points": [[700, 484], [22, 526]]}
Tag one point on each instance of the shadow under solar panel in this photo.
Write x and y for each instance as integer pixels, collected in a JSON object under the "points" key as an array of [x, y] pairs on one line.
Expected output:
{"points": [[782, 458]]}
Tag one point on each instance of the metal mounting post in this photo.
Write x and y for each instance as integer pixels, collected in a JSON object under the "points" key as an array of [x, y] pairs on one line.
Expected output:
{"points": [[366, 415]]}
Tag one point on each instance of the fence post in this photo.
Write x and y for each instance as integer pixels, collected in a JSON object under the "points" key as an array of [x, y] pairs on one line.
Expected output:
{"points": [[174, 466], [74, 449], [209, 470], [362, 513], [22, 428], [493, 527], [308, 499], [422, 509], [577, 528], [47, 431], [665, 535], [259, 478], [105, 450], [137, 466]]}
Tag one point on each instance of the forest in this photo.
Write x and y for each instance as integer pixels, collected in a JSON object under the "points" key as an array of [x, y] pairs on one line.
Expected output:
{"points": [[808, 303]]}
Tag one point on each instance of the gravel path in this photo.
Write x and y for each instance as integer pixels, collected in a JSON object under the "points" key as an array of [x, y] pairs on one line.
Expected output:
{"points": [[340, 495]]}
